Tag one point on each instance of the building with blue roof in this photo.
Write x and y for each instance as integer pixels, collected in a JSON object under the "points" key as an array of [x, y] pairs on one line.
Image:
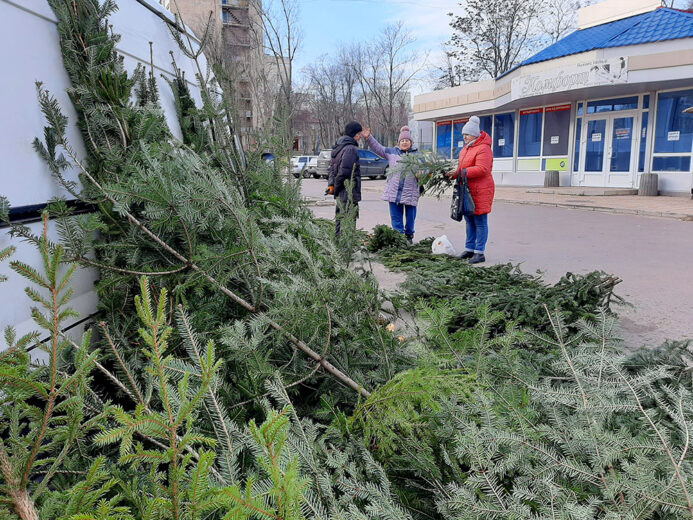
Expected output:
{"points": [[603, 105]]}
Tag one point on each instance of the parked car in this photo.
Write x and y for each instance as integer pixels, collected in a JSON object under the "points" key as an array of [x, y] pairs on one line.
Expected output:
{"points": [[313, 165], [372, 165], [299, 165], [323, 164]]}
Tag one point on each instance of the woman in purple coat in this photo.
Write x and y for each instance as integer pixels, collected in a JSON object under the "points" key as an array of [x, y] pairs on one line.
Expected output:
{"points": [[401, 191]]}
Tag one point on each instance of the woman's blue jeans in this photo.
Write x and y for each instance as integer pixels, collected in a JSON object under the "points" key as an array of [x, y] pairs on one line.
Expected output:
{"points": [[477, 233], [397, 214]]}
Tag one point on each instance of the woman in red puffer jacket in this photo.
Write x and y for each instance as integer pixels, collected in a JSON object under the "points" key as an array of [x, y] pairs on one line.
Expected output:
{"points": [[477, 159]]}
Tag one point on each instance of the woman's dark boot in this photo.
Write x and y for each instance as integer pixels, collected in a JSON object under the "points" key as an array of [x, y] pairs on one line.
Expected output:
{"points": [[467, 254], [410, 238], [477, 258]]}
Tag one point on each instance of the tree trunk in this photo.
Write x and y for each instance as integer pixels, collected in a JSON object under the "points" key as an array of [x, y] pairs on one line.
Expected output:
{"points": [[23, 505]]}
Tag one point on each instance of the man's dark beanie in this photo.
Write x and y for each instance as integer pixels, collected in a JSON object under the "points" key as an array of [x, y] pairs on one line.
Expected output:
{"points": [[352, 128]]}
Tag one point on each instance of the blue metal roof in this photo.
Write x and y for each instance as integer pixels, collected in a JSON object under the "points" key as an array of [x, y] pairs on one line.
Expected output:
{"points": [[658, 25]]}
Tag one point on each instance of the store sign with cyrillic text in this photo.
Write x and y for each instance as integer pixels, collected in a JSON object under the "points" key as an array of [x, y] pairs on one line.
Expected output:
{"points": [[587, 74]]}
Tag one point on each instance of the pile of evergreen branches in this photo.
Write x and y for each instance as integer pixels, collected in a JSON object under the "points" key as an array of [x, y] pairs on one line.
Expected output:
{"points": [[242, 368], [503, 287]]}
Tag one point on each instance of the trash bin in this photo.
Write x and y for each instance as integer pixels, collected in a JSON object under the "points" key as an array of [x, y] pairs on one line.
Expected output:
{"points": [[649, 185], [551, 179]]}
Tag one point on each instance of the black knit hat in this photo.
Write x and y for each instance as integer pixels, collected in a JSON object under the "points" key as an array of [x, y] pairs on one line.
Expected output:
{"points": [[352, 128]]}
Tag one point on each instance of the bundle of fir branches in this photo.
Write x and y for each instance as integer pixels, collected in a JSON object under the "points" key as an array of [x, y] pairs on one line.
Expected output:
{"points": [[429, 169]]}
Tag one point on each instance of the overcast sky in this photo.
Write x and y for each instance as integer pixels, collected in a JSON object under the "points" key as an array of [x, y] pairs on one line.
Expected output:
{"points": [[327, 23]]}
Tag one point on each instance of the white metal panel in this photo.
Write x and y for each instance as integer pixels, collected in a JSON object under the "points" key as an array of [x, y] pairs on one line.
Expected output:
{"points": [[16, 306], [30, 51], [36, 7]]}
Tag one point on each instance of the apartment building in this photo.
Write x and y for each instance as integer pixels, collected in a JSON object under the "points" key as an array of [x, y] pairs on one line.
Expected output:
{"points": [[234, 24]]}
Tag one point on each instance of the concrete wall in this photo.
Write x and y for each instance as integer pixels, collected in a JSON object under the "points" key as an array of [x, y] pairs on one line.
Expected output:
{"points": [[30, 52]]}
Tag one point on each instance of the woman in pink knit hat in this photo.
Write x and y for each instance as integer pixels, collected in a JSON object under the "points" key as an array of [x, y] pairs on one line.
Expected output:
{"points": [[401, 191]]}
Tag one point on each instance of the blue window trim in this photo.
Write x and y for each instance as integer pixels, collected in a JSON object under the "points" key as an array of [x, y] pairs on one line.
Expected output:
{"points": [[671, 153], [486, 123], [528, 126], [663, 121], [447, 146], [507, 150]]}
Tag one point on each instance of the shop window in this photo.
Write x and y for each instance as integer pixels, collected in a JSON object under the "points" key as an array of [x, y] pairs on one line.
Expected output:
{"points": [[529, 136], [557, 130], [646, 101], [444, 138], [457, 139], [671, 164], [504, 135], [579, 109], [674, 130], [486, 123], [594, 149], [610, 105], [643, 141], [578, 133]]}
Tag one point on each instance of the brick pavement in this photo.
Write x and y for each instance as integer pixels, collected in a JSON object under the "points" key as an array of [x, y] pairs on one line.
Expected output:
{"points": [[598, 199]]}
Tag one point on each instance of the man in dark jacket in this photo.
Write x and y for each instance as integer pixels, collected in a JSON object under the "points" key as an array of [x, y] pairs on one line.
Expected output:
{"points": [[344, 166]]}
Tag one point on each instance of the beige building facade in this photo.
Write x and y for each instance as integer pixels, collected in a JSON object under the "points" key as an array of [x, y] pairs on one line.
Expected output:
{"points": [[602, 106]]}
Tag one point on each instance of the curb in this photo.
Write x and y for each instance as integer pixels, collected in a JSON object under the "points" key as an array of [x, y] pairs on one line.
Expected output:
{"points": [[313, 201], [604, 209]]}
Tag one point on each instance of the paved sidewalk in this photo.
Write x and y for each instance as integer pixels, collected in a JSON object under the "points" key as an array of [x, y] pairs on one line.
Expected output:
{"points": [[542, 230], [598, 199]]}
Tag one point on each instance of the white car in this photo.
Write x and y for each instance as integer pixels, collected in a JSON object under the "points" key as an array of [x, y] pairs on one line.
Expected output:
{"points": [[299, 165]]}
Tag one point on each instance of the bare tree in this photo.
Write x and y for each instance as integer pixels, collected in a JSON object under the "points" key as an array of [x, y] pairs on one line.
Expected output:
{"points": [[277, 31], [323, 78], [446, 71], [558, 18], [388, 76], [492, 36], [680, 4]]}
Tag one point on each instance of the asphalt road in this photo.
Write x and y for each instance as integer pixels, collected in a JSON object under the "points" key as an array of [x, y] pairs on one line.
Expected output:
{"points": [[653, 256]]}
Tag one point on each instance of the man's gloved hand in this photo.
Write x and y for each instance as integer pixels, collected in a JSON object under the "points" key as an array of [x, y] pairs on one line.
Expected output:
{"points": [[329, 190]]}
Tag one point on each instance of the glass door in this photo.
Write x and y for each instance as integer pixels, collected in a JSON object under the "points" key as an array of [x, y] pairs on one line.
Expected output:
{"points": [[594, 149], [608, 150], [620, 152]]}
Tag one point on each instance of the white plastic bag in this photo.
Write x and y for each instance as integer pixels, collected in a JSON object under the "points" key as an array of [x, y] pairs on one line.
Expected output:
{"points": [[442, 246]]}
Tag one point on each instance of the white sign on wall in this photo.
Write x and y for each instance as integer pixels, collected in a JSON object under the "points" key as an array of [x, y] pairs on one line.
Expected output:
{"points": [[587, 74]]}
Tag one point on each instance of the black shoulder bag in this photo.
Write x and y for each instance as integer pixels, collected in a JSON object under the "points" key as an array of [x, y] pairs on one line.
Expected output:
{"points": [[462, 202]]}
